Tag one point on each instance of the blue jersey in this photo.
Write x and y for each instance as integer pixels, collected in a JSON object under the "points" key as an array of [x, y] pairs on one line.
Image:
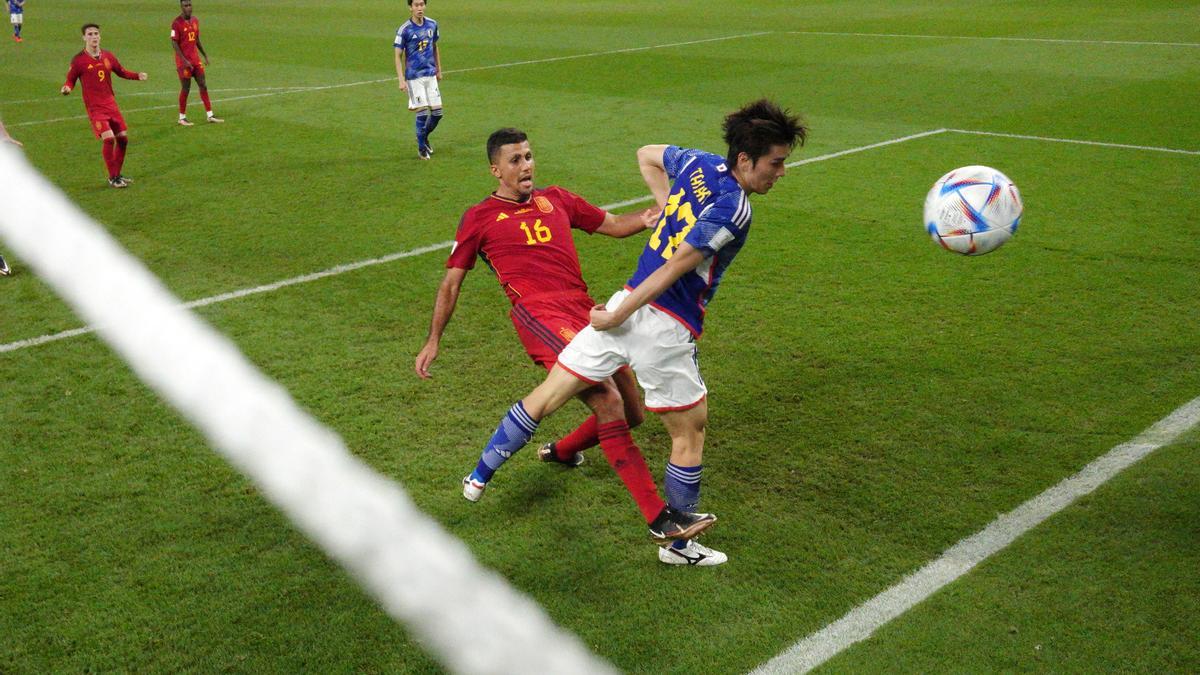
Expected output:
{"points": [[14, 8], [417, 43], [709, 210]]}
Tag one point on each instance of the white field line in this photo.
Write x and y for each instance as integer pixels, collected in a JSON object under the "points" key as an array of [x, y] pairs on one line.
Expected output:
{"points": [[340, 269], [865, 619], [1048, 139], [1134, 43], [462, 612], [448, 72]]}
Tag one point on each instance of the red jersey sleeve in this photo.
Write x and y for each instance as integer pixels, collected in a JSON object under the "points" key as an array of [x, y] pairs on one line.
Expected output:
{"points": [[72, 75], [120, 70], [177, 31], [584, 216], [466, 242]]}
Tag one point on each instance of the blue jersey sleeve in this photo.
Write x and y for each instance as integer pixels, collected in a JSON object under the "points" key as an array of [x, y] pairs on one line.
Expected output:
{"points": [[725, 220]]}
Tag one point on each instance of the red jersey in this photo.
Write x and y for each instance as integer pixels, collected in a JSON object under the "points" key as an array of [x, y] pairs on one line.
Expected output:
{"points": [[527, 244], [96, 75], [186, 33]]}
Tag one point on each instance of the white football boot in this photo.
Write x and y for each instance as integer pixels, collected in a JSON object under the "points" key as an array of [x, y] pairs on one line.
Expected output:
{"points": [[472, 489], [694, 553]]}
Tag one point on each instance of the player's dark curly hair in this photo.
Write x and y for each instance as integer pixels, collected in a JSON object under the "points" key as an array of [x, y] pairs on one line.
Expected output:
{"points": [[87, 26], [501, 137], [759, 125]]}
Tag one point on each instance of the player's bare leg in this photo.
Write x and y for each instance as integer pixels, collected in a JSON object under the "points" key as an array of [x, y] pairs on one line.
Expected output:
{"points": [[569, 448], [682, 481]]}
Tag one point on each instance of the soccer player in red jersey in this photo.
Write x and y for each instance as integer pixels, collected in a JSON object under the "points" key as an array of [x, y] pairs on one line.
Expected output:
{"points": [[94, 68], [524, 235], [185, 39]]}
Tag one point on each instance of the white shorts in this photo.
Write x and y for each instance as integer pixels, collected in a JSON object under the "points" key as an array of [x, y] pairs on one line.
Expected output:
{"points": [[660, 349], [423, 92], [16, 19]]}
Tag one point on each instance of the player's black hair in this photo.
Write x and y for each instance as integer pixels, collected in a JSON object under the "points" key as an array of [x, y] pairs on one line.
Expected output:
{"points": [[759, 125], [501, 137], [87, 26], [410, 2]]}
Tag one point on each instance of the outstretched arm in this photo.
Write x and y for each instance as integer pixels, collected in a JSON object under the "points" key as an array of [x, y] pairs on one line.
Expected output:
{"points": [[628, 224], [443, 309], [686, 258], [650, 162]]}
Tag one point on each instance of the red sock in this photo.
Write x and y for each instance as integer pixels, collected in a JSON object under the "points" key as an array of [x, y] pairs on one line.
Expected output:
{"points": [[626, 459], [108, 150], [207, 103], [119, 152], [582, 438], [183, 94]]}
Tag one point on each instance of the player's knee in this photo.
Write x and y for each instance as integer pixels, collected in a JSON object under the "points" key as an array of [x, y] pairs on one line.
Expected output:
{"points": [[607, 405]]}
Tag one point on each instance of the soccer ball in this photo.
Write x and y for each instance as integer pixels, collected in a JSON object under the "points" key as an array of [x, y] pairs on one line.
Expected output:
{"points": [[972, 210]]}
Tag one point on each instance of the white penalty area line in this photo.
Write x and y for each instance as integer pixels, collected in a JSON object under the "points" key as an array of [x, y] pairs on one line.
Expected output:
{"points": [[862, 621], [513, 64], [1048, 139], [341, 269], [999, 38]]}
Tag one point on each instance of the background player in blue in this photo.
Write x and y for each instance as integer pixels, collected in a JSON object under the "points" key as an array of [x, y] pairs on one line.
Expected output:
{"points": [[16, 16], [652, 323], [419, 69]]}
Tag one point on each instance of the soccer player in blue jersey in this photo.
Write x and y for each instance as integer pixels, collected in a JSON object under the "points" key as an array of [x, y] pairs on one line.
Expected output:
{"points": [[652, 324], [419, 68], [16, 16]]}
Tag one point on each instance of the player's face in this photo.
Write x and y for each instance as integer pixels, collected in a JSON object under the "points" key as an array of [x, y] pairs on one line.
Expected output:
{"points": [[514, 169], [91, 39], [186, 8], [759, 177], [418, 9]]}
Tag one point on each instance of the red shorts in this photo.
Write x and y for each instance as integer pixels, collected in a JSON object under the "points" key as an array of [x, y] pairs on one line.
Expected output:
{"points": [[547, 322], [187, 71], [103, 120]]}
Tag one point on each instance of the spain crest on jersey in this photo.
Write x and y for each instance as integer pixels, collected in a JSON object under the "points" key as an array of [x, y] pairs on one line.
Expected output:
{"points": [[543, 204]]}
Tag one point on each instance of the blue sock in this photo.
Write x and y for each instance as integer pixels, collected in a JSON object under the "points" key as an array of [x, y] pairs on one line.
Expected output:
{"points": [[683, 490], [17, 30], [433, 121], [422, 125], [514, 432]]}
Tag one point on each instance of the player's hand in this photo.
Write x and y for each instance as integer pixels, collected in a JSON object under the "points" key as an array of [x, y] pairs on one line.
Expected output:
{"points": [[602, 319], [650, 217], [439, 76], [143, 76], [65, 90], [403, 85], [425, 359], [206, 61]]}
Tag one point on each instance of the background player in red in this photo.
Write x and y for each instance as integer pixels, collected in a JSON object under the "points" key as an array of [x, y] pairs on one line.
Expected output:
{"points": [[524, 235], [185, 40], [95, 68]]}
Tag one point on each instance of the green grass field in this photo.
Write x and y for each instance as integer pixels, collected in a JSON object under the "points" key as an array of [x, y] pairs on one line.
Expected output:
{"points": [[873, 400]]}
